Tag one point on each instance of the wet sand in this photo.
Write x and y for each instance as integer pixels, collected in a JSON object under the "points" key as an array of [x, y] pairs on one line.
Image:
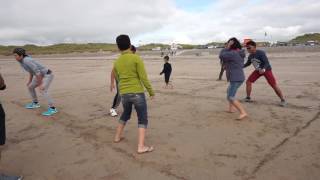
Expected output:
{"points": [[194, 137]]}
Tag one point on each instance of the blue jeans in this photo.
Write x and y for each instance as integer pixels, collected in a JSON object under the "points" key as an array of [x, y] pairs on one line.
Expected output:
{"points": [[232, 90], [140, 104]]}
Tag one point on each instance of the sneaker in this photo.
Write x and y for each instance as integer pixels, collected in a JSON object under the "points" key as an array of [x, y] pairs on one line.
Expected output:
{"points": [[113, 112], [247, 99], [32, 105], [283, 103], [6, 177], [50, 112]]}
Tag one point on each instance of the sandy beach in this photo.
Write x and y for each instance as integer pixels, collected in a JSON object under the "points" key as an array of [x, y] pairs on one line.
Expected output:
{"points": [[193, 136]]}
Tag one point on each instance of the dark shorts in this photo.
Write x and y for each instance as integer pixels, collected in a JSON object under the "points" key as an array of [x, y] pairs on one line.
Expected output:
{"points": [[138, 100], [267, 74]]}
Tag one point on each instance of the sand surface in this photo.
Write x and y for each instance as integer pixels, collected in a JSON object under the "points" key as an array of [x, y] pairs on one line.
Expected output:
{"points": [[193, 136]]}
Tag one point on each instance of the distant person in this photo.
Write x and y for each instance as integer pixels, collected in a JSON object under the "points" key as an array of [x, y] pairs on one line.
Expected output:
{"points": [[167, 69], [162, 53], [130, 72], [262, 68], [117, 97], [39, 76], [233, 60], [3, 133], [222, 68]]}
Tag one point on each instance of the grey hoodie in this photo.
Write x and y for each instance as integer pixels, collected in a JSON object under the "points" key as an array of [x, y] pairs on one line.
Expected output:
{"points": [[233, 61], [33, 66]]}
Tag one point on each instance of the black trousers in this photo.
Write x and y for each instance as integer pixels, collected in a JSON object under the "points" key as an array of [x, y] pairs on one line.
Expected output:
{"points": [[167, 77], [2, 126]]}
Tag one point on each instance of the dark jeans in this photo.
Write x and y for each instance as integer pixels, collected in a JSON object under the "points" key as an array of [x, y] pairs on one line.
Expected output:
{"points": [[140, 104], [2, 126], [117, 99]]}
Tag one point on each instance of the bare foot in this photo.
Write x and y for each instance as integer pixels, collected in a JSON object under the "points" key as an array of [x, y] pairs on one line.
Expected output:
{"points": [[242, 116], [117, 140], [145, 149]]}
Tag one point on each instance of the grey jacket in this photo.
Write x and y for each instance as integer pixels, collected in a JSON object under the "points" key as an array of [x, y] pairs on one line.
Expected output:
{"points": [[233, 61], [33, 66]]}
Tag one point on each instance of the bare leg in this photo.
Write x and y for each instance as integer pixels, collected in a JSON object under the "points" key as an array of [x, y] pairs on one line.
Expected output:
{"points": [[248, 88], [142, 148], [142, 134], [232, 108], [119, 132], [239, 107]]}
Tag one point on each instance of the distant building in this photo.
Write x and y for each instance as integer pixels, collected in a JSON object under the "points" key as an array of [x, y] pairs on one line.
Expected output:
{"points": [[156, 48], [279, 43], [311, 43]]}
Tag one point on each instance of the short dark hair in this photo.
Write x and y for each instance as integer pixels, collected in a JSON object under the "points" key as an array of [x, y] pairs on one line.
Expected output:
{"points": [[236, 43], [20, 52], [166, 58], [123, 42], [251, 43], [133, 49]]}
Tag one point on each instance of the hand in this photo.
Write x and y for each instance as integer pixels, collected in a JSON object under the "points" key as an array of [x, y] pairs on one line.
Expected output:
{"points": [[261, 71], [41, 88], [152, 97], [28, 84]]}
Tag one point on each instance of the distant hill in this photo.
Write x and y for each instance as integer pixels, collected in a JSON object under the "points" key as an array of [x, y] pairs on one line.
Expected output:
{"points": [[61, 48], [306, 37]]}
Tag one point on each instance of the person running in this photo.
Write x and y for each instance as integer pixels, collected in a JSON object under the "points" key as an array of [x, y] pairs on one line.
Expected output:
{"points": [[262, 67], [132, 77], [117, 97], [39, 76], [167, 69], [233, 59], [3, 134]]}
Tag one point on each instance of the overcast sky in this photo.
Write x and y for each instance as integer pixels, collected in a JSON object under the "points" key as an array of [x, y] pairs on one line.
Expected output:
{"points": [[46, 22]]}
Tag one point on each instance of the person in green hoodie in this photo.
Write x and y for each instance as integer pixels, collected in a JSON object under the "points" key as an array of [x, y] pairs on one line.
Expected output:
{"points": [[130, 72]]}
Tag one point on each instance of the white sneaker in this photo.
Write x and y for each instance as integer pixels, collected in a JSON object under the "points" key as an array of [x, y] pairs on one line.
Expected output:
{"points": [[113, 112], [283, 103]]}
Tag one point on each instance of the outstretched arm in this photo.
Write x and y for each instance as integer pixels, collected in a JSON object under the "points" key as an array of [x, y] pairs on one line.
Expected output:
{"points": [[248, 63]]}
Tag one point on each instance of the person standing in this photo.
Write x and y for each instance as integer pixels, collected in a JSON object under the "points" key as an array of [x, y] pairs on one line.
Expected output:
{"points": [[233, 59], [167, 69], [129, 70], [259, 60]]}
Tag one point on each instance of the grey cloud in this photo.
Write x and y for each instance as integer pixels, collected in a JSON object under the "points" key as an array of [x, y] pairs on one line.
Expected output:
{"points": [[54, 21]]}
